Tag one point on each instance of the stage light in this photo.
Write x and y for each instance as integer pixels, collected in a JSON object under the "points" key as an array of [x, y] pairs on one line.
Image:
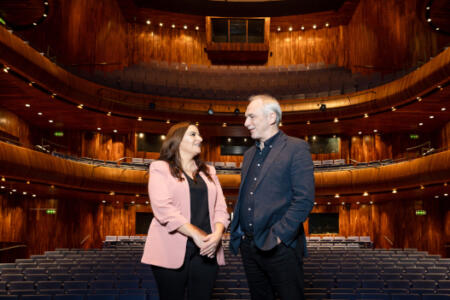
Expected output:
{"points": [[323, 107], [139, 119], [237, 111], [210, 111]]}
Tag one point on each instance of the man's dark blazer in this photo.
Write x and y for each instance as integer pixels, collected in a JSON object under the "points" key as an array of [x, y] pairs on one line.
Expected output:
{"points": [[284, 195]]}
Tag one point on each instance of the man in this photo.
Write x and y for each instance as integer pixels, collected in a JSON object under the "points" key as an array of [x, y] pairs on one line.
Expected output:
{"points": [[275, 198]]}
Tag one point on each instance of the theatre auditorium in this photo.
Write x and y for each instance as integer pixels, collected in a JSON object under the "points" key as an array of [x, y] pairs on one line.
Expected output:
{"points": [[90, 88]]}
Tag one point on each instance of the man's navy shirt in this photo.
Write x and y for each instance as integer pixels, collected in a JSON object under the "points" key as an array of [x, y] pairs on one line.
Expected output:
{"points": [[247, 200]]}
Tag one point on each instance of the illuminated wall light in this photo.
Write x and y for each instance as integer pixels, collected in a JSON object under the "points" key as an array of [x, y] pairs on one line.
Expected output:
{"points": [[173, 26], [139, 119], [99, 128], [445, 183], [314, 137], [443, 109], [31, 83], [45, 3], [440, 87], [375, 130], [52, 187], [393, 108], [281, 124], [6, 69], [336, 196], [328, 203], [228, 140], [53, 95], [34, 24], [437, 28], [278, 28], [163, 137], [115, 130], [336, 120], [108, 114], [2, 187], [3, 179], [147, 202], [371, 202], [50, 121], [24, 193], [366, 115], [141, 135], [431, 117], [197, 123], [290, 28], [327, 24], [224, 125], [137, 195], [28, 182], [185, 27], [365, 194], [420, 124], [427, 8], [437, 196], [44, 15], [161, 24], [315, 203], [27, 105], [197, 28], [80, 106], [117, 202], [133, 202], [112, 193], [314, 26], [429, 20], [359, 132], [302, 28], [148, 22], [39, 114], [358, 203], [168, 122], [419, 99], [13, 190], [394, 191], [343, 203], [446, 195], [308, 122], [245, 140], [34, 195], [422, 187], [103, 201]]}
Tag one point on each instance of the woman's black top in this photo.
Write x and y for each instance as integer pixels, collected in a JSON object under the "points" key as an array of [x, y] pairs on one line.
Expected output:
{"points": [[199, 203]]}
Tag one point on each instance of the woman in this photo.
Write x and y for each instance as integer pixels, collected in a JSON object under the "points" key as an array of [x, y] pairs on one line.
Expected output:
{"points": [[183, 243]]}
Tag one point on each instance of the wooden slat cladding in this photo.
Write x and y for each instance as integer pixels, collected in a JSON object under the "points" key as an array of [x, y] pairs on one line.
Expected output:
{"points": [[77, 220], [380, 36]]}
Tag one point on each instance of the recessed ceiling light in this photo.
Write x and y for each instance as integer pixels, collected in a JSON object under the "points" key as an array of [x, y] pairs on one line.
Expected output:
{"points": [[336, 120], [315, 203], [437, 196], [148, 22], [185, 27], [27, 105], [343, 203], [314, 26], [99, 128], [141, 135], [168, 122], [139, 119], [39, 114], [147, 202], [80, 106], [420, 124], [359, 132], [24, 193], [108, 114], [328, 203], [371, 202], [327, 24], [161, 24], [394, 191], [443, 109], [50, 121], [44, 15], [336, 196], [290, 28], [278, 28], [437, 28], [197, 28], [429, 20], [224, 125], [366, 115], [419, 99], [375, 130], [132, 202], [34, 24], [365, 194], [393, 108], [115, 130], [103, 201], [14, 190], [2, 187], [431, 117], [358, 202], [173, 26], [34, 195], [308, 122], [428, 8], [302, 28]]}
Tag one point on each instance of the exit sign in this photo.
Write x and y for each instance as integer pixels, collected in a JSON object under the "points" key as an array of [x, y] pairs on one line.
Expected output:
{"points": [[414, 136], [421, 212], [50, 211], [58, 133]]}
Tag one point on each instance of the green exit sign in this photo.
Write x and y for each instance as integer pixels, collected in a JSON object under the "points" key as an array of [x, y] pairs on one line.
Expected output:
{"points": [[421, 212], [58, 133], [50, 211], [414, 136]]}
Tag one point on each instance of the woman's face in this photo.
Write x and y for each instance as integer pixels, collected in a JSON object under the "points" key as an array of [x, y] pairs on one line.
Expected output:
{"points": [[191, 142]]}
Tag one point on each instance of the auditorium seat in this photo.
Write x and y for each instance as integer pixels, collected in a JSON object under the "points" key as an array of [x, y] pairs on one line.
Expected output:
{"points": [[36, 297], [405, 297]]}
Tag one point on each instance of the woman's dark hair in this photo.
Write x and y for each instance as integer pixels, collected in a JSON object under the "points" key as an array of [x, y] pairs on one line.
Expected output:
{"points": [[170, 152]]}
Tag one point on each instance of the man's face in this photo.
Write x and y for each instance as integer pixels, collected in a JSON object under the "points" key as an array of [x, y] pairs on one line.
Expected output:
{"points": [[256, 121]]}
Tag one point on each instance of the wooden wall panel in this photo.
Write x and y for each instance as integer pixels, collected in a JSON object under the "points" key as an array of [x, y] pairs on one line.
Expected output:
{"points": [[84, 224], [381, 36], [12, 125]]}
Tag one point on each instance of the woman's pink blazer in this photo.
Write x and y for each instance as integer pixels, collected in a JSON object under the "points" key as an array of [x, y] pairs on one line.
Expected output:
{"points": [[170, 200]]}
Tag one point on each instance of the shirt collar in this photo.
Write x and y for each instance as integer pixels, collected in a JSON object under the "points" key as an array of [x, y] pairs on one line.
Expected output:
{"points": [[269, 142]]}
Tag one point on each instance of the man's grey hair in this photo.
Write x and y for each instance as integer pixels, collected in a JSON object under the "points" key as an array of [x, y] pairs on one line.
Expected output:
{"points": [[270, 104]]}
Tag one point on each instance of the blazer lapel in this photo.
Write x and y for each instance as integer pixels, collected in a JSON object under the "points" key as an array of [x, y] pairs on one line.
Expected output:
{"points": [[273, 154]]}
